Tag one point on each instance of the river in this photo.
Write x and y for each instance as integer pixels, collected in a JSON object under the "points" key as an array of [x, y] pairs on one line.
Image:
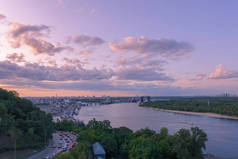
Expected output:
{"points": [[222, 133]]}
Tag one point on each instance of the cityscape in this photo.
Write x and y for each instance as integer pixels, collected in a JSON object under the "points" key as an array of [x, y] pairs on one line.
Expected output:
{"points": [[118, 79]]}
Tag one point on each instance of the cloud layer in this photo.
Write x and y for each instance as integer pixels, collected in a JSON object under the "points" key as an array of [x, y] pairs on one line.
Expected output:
{"points": [[141, 69], [142, 45], [50, 73], [141, 88], [147, 74], [140, 66]]}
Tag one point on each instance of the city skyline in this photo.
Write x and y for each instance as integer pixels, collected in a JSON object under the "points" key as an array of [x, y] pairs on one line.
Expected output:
{"points": [[118, 48]]}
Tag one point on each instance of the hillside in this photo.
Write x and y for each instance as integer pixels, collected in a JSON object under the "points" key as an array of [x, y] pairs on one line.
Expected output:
{"points": [[22, 122]]}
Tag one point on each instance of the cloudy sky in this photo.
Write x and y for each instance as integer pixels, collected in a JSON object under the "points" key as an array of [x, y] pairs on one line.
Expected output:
{"points": [[119, 47]]}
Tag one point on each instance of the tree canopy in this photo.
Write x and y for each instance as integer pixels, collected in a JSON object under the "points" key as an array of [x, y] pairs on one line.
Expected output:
{"points": [[219, 105], [123, 143], [31, 126]]}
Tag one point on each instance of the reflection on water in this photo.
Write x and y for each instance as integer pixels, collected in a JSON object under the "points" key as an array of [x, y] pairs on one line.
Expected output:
{"points": [[222, 133]]}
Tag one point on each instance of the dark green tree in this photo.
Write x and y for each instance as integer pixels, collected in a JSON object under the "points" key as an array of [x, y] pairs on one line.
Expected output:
{"points": [[143, 148], [110, 145]]}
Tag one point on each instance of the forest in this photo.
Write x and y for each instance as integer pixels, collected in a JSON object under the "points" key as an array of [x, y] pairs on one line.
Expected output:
{"points": [[22, 125], [123, 143], [219, 105]]}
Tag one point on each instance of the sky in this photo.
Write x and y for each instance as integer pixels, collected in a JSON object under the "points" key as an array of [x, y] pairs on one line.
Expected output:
{"points": [[119, 47]]}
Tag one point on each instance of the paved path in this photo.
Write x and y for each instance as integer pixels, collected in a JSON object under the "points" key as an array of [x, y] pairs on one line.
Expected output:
{"points": [[90, 155], [56, 145]]}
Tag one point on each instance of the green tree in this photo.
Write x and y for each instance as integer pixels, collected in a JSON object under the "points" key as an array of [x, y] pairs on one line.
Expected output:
{"points": [[145, 133], [199, 138], [65, 155], [3, 110], [101, 125], [166, 149], [30, 135], [25, 118], [163, 133], [123, 136], [80, 151], [143, 148], [110, 145], [182, 144]]}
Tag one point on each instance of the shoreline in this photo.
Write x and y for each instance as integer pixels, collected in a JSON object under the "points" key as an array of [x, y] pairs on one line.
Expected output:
{"points": [[214, 115]]}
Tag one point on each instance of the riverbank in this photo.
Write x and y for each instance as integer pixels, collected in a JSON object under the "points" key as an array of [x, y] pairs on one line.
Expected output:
{"points": [[197, 113]]}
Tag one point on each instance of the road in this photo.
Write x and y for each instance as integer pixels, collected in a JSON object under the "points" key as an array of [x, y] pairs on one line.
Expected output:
{"points": [[59, 141]]}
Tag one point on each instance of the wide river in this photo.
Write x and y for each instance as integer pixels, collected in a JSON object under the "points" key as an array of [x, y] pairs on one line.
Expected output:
{"points": [[222, 133]]}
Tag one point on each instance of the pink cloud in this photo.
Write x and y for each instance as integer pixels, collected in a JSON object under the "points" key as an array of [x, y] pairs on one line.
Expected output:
{"points": [[2, 17], [32, 36], [221, 72], [84, 52], [16, 57]]}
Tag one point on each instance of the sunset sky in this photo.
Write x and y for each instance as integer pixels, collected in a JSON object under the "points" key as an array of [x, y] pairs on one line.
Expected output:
{"points": [[119, 47]]}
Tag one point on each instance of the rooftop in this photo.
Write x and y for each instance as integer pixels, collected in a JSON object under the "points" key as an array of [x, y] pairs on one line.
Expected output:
{"points": [[98, 149]]}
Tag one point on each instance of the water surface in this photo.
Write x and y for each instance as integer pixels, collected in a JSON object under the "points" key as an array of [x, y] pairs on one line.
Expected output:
{"points": [[222, 133]]}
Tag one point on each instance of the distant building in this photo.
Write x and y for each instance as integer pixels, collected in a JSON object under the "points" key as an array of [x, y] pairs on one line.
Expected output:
{"points": [[108, 100], [98, 151], [148, 99], [141, 99]]}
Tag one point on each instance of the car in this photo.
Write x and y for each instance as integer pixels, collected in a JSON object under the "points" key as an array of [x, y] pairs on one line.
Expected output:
{"points": [[64, 149], [74, 143]]}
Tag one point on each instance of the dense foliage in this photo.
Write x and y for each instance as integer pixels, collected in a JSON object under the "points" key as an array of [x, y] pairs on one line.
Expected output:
{"points": [[22, 123], [123, 143], [219, 105], [68, 125]]}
